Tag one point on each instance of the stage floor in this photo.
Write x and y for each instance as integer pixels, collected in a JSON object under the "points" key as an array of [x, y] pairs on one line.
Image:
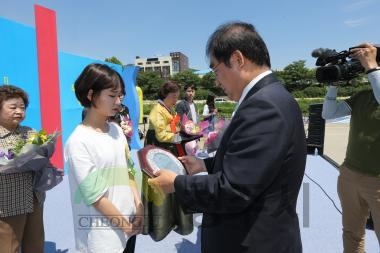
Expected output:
{"points": [[320, 221]]}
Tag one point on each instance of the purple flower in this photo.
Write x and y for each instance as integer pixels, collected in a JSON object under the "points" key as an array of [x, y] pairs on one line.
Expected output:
{"points": [[2, 153], [10, 154]]}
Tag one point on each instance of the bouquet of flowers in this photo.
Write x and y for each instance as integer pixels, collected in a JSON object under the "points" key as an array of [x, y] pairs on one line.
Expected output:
{"points": [[125, 122], [214, 137], [33, 154], [190, 128], [211, 138], [126, 125]]}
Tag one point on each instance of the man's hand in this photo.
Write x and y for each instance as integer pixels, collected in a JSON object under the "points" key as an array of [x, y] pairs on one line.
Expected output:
{"points": [[193, 165], [366, 54], [164, 180]]}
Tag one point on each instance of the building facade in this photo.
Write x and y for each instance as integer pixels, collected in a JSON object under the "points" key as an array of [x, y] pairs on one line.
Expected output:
{"points": [[166, 66]]}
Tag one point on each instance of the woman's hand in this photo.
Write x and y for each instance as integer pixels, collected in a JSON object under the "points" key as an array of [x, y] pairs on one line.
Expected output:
{"points": [[138, 220]]}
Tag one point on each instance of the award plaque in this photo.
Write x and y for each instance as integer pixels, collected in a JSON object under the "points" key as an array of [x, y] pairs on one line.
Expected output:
{"points": [[153, 158]]}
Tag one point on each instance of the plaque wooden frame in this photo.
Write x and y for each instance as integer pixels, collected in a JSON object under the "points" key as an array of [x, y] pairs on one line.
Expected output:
{"points": [[154, 158]]}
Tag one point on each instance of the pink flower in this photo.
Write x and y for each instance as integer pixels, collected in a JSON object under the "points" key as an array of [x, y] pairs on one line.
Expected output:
{"points": [[211, 137], [126, 125], [189, 127]]}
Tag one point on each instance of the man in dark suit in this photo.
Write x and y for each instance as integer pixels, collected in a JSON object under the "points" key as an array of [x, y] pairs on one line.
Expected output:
{"points": [[248, 198]]}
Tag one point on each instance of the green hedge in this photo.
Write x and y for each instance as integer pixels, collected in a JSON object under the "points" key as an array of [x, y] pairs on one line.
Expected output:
{"points": [[226, 109], [320, 91], [305, 102]]}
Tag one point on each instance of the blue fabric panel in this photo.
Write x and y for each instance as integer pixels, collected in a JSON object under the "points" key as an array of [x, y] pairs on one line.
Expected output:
{"points": [[132, 101], [18, 65]]}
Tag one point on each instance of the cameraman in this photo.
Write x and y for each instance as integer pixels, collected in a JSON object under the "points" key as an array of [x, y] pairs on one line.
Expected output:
{"points": [[359, 179]]}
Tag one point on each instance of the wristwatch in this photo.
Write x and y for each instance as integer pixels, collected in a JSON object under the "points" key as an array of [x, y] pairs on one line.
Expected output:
{"points": [[372, 70]]}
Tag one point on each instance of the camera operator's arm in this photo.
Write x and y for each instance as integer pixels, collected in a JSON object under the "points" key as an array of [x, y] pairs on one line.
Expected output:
{"points": [[374, 79], [333, 109], [366, 54]]}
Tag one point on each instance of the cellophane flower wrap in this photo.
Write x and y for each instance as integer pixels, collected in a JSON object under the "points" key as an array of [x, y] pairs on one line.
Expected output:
{"points": [[125, 122], [126, 125], [189, 127], [33, 154], [212, 135]]}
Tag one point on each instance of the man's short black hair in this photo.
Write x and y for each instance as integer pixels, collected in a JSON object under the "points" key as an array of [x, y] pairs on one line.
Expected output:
{"points": [[192, 86]]}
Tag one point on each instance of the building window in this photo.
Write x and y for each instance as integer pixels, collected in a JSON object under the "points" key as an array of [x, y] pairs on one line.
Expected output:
{"points": [[175, 66], [166, 72]]}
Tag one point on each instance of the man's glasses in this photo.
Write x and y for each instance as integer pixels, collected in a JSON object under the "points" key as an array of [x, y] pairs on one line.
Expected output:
{"points": [[215, 68]]}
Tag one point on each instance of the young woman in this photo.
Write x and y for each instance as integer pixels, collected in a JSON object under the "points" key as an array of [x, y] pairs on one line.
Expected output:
{"points": [[107, 210], [209, 109]]}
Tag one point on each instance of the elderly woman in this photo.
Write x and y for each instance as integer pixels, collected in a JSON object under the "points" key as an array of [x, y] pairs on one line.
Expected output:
{"points": [[21, 208], [163, 211], [161, 116]]}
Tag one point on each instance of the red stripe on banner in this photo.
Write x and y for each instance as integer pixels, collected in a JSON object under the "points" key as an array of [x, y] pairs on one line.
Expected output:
{"points": [[47, 54]]}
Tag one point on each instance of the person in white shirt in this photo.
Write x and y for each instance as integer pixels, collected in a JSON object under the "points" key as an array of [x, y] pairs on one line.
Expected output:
{"points": [[187, 106], [209, 109], [107, 208]]}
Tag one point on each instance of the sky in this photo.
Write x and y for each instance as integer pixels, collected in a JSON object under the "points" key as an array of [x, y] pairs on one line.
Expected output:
{"points": [[125, 29]]}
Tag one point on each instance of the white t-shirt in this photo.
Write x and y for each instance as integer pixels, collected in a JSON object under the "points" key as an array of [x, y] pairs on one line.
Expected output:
{"points": [[193, 112], [98, 167], [205, 110]]}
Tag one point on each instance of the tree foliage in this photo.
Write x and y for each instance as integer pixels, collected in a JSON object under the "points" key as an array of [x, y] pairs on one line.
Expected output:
{"points": [[114, 60], [296, 76], [150, 83], [209, 83], [186, 77]]}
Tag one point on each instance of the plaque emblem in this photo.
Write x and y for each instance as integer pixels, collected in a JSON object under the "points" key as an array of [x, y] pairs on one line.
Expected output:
{"points": [[153, 158]]}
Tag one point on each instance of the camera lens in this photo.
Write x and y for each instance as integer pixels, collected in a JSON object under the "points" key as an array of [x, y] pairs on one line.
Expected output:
{"points": [[328, 74]]}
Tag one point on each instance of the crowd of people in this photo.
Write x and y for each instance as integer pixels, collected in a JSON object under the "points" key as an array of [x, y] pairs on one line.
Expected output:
{"points": [[249, 192]]}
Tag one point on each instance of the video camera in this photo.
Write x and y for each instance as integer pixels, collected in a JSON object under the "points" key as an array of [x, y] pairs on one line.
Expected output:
{"points": [[334, 66]]}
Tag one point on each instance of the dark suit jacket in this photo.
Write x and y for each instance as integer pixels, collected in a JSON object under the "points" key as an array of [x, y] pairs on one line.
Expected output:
{"points": [[248, 200]]}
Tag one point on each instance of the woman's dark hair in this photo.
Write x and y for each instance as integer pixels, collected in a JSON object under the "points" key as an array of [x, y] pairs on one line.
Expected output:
{"points": [[166, 88], [10, 91], [210, 102], [240, 36], [96, 77]]}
